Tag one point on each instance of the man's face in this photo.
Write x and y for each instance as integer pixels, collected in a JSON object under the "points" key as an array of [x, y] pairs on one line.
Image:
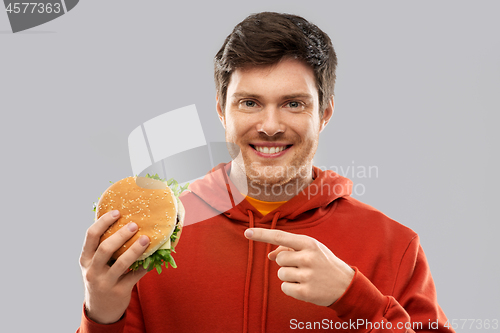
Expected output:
{"points": [[272, 114]]}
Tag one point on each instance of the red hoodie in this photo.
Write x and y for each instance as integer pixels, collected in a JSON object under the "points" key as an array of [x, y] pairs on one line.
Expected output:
{"points": [[225, 282]]}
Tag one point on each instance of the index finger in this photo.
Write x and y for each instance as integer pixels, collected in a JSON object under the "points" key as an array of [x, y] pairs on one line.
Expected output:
{"points": [[95, 232], [278, 237]]}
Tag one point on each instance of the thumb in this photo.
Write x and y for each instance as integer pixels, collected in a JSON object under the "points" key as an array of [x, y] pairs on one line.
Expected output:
{"points": [[272, 255]]}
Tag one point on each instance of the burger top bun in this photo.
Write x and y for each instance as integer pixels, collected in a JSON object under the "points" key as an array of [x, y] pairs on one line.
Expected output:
{"points": [[149, 203]]}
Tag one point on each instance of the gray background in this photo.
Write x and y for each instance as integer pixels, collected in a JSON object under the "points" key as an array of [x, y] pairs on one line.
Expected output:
{"points": [[417, 96]]}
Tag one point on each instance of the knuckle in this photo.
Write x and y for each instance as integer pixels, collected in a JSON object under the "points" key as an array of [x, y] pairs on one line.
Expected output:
{"points": [[306, 260], [111, 244], [81, 262], [279, 236], [124, 232], [106, 248], [282, 256], [105, 216], [306, 275], [137, 249], [303, 292], [91, 233], [96, 281], [130, 256], [121, 265], [310, 242], [89, 275]]}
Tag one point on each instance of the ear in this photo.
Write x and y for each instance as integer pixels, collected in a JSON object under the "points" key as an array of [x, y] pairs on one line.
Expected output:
{"points": [[220, 113], [327, 114]]}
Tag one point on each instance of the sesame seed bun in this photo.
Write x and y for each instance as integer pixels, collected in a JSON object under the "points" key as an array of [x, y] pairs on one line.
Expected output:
{"points": [[149, 203]]}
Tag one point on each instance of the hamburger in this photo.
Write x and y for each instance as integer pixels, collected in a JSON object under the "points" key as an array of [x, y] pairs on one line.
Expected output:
{"points": [[154, 206]]}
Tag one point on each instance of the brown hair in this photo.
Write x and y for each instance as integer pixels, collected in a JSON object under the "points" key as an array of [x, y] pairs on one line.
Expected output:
{"points": [[266, 38]]}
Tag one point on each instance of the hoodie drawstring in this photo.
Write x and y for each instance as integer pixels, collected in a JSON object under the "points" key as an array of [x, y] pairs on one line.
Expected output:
{"points": [[249, 275], [228, 187], [266, 278]]}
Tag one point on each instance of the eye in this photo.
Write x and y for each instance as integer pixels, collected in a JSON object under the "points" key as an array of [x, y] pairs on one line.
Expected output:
{"points": [[295, 105], [249, 104]]}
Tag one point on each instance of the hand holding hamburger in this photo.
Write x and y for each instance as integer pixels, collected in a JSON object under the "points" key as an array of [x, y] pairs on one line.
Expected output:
{"points": [[108, 288]]}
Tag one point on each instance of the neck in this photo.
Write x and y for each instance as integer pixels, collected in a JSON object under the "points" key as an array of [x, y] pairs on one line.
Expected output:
{"points": [[268, 192]]}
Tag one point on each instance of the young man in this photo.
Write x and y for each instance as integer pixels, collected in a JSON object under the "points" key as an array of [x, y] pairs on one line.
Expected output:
{"points": [[297, 252]]}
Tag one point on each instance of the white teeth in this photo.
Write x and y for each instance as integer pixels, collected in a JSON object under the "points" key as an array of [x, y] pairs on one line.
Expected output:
{"points": [[272, 150]]}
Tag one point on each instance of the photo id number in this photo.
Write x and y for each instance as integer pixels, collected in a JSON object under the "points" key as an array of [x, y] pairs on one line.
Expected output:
{"points": [[33, 7], [478, 324]]}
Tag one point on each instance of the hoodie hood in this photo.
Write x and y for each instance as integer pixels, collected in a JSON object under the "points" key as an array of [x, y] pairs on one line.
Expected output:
{"points": [[219, 192]]}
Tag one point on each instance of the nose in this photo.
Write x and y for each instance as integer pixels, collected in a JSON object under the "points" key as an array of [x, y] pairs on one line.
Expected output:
{"points": [[270, 122]]}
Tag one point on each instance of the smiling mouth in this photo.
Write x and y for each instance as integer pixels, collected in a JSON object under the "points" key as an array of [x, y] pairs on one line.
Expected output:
{"points": [[270, 150]]}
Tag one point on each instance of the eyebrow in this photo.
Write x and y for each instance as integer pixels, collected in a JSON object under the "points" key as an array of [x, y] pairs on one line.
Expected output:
{"points": [[251, 95]]}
